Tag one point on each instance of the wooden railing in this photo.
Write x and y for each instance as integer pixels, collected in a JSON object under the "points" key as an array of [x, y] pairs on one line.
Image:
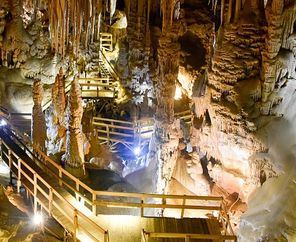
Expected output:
{"points": [[98, 87], [186, 236], [92, 199], [123, 131], [47, 196], [127, 132], [106, 42]]}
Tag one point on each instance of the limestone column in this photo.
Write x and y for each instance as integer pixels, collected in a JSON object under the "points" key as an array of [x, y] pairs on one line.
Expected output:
{"points": [[59, 97], [166, 135], [38, 120], [74, 156]]}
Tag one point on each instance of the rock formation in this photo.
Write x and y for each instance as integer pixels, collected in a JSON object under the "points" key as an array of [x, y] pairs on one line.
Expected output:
{"points": [[56, 123], [234, 61], [59, 98], [74, 156], [38, 120]]}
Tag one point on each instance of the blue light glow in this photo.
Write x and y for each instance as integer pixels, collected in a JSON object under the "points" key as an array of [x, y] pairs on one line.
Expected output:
{"points": [[137, 151]]}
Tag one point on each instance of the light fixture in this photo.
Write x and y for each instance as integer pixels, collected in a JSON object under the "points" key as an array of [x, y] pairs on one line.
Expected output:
{"points": [[3, 122], [38, 219], [137, 151]]}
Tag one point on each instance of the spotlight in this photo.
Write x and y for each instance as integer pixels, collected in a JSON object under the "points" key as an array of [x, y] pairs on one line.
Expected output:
{"points": [[137, 151], [38, 219], [3, 122]]}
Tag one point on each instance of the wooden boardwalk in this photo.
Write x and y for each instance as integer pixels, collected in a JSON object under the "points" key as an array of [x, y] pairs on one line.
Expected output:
{"points": [[47, 192], [124, 228], [91, 215]]}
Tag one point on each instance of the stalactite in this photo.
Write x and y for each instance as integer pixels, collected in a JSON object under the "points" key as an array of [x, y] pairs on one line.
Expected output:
{"points": [[112, 9], [238, 6], [222, 12], [73, 20], [229, 14], [215, 6]]}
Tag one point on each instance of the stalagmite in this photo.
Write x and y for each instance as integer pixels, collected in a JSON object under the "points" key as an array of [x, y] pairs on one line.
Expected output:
{"points": [[38, 120], [70, 20], [74, 156], [59, 98]]}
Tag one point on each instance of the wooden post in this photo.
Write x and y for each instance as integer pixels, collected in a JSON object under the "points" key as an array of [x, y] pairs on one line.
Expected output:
{"points": [[142, 208], [77, 189], [50, 200], [108, 134], [18, 183], [164, 203], [187, 238], [75, 222], [60, 177], [35, 192], [106, 236], [10, 166], [94, 206], [183, 204]]}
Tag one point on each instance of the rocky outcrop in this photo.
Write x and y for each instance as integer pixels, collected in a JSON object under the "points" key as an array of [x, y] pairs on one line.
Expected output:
{"points": [[38, 120]]}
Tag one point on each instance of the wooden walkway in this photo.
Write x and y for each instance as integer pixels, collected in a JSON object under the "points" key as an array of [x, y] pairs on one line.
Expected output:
{"points": [[46, 191], [87, 214], [130, 228]]}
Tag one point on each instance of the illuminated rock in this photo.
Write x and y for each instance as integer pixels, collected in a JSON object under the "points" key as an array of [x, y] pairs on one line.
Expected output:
{"points": [[74, 156]]}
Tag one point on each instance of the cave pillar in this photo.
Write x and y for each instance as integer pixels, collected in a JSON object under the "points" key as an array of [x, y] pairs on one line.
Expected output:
{"points": [[38, 128], [165, 131], [59, 97], [74, 156]]}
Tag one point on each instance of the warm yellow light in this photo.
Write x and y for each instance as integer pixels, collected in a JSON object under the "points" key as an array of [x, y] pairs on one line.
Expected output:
{"points": [[178, 93]]}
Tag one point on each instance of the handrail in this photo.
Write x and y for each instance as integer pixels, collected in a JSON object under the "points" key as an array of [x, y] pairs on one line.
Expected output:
{"points": [[47, 195], [187, 236], [113, 71], [94, 202]]}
